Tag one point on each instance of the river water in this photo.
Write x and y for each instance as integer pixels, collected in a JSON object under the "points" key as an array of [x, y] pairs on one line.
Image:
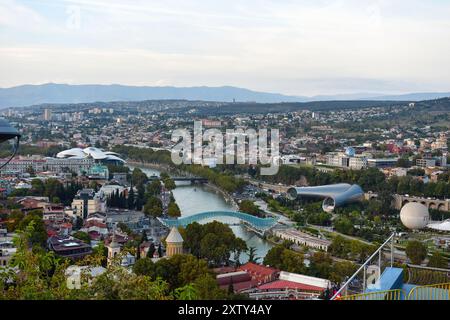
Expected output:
{"points": [[196, 198]]}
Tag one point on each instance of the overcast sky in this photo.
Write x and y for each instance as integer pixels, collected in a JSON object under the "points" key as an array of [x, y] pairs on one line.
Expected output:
{"points": [[293, 47]]}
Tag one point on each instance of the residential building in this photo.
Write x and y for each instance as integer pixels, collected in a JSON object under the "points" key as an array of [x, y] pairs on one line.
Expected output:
{"points": [[69, 247], [87, 202], [260, 274], [382, 162]]}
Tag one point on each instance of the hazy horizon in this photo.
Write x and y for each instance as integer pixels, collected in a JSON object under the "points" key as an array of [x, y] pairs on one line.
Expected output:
{"points": [[297, 48]]}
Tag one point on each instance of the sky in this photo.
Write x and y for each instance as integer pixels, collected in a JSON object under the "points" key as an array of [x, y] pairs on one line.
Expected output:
{"points": [[298, 47]]}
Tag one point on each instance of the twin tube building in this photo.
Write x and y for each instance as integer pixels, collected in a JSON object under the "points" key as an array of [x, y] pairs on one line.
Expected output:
{"points": [[335, 195]]}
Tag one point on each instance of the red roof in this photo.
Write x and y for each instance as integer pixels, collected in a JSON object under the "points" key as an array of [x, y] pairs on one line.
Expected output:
{"points": [[258, 269], [51, 233], [94, 223], [285, 284]]}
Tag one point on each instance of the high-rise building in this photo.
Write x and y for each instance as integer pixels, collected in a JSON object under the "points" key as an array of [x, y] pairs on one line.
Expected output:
{"points": [[47, 114]]}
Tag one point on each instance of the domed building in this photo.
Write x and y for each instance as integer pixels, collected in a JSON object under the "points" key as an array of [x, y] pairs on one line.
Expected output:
{"points": [[414, 216], [174, 243], [100, 156]]}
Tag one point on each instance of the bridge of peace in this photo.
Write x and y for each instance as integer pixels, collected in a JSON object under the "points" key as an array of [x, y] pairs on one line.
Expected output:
{"points": [[259, 225]]}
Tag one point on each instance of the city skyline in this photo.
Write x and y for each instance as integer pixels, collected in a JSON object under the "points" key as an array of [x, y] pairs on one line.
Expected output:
{"points": [[295, 48]]}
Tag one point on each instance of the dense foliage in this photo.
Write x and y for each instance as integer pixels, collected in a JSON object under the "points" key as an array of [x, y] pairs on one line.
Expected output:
{"points": [[212, 241]]}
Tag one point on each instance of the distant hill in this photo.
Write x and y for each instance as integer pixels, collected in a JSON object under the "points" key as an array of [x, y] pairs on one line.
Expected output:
{"points": [[28, 95], [414, 96]]}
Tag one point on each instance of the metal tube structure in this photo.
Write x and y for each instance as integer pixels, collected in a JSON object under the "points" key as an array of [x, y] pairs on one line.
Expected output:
{"points": [[335, 194]]}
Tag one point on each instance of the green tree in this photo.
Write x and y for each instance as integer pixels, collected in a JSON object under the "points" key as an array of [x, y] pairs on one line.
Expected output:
{"points": [[131, 200], [39, 234], [169, 184], [342, 270], [191, 268], [273, 257], [187, 292], [145, 267], [252, 255], [83, 236], [249, 207], [154, 188], [437, 260], [416, 251], [321, 265], [153, 207], [138, 177], [208, 289], [173, 210], [14, 219], [292, 261]]}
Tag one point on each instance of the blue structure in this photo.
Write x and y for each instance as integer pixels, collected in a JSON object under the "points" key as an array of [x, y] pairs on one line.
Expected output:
{"points": [[392, 279], [350, 151], [260, 224], [335, 194]]}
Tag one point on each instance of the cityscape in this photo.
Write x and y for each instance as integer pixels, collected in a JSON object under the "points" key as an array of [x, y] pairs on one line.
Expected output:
{"points": [[93, 206]]}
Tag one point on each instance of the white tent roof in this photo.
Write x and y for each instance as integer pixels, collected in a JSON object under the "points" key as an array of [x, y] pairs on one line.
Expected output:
{"points": [[95, 153], [442, 226]]}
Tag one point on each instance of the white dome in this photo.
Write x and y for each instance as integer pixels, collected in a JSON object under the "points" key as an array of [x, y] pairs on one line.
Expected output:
{"points": [[414, 215]]}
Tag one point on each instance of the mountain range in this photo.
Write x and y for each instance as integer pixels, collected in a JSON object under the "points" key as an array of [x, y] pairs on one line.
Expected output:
{"points": [[28, 95]]}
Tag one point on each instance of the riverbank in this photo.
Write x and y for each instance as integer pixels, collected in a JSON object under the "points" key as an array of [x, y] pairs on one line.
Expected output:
{"points": [[196, 198], [170, 170], [154, 166], [225, 195]]}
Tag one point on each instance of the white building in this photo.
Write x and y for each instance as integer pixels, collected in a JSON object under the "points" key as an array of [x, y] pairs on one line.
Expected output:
{"points": [[87, 202], [301, 238], [357, 163]]}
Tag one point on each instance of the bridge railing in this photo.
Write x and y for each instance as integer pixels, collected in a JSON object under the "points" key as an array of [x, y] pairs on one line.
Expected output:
{"points": [[261, 224]]}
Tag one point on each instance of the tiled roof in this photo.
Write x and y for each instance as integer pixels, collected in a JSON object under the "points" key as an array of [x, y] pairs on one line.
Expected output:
{"points": [[257, 269]]}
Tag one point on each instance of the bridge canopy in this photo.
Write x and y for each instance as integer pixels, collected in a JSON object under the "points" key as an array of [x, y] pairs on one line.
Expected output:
{"points": [[261, 224]]}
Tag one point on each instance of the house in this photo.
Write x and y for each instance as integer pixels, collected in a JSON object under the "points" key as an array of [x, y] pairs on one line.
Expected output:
{"points": [[259, 273], [53, 212], [68, 247], [240, 280]]}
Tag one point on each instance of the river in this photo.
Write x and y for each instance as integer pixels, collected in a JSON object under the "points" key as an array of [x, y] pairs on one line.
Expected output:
{"points": [[196, 198]]}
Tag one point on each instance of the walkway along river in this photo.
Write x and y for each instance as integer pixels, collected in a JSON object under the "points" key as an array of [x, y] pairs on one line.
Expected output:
{"points": [[197, 198]]}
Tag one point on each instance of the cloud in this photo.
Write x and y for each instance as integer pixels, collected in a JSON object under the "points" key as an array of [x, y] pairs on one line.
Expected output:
{"points": [[266, 45]]}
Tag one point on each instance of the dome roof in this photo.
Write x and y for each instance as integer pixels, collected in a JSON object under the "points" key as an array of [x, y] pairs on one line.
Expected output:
{"points": [[95, 153], [174, 236], [414, 215]]}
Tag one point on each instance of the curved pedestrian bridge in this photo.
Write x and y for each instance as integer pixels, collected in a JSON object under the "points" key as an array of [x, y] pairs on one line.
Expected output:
{"points": [[260, 224]]}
